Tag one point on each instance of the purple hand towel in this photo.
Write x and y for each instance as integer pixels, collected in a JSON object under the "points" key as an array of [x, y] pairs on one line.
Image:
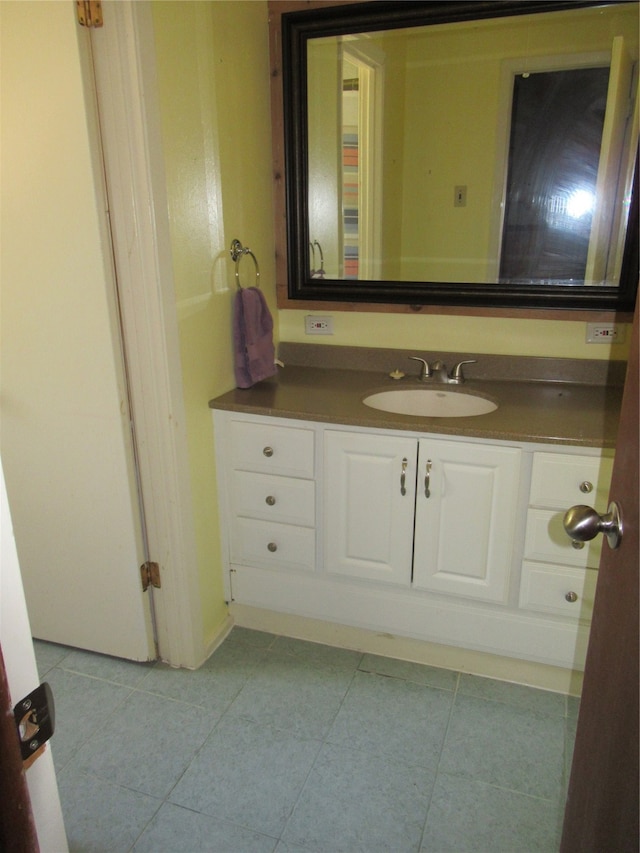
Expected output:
{"points": [[253, 349]]}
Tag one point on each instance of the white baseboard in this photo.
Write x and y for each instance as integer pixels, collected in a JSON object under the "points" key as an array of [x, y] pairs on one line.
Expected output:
{"points": [[529, 673]]}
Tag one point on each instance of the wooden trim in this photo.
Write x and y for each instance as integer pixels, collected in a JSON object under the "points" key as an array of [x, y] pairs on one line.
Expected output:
{"points": [[458, 311]]}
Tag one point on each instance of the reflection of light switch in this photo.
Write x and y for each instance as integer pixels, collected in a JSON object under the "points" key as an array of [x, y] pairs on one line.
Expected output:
{"points": [[460, 196]]}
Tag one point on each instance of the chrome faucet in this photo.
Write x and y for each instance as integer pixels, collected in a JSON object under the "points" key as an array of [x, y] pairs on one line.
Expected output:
{"points": [[456, 377], [425, 370], [437, 372]]}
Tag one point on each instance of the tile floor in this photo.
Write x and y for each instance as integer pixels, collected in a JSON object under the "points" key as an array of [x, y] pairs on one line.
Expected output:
{"points": [[288, 746]]}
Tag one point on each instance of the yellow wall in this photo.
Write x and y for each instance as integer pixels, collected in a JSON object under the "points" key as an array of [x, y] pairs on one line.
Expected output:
{"points": [[393, 151], [446, 333], [213, 77]]}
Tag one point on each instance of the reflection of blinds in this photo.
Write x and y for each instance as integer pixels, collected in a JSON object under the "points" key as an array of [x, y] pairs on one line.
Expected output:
{"points": [[350, 201]]}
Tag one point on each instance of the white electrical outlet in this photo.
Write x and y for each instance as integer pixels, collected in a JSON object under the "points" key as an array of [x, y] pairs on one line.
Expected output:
{"points": [[314, 325], [605, 333]]}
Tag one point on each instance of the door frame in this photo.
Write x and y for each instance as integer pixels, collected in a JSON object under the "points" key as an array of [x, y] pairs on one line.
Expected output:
{"points": [[122, 62], [370, 65]]}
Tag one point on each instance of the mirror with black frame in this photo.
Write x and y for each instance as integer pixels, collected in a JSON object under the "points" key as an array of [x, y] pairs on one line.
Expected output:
{"points": [[463, 153]]}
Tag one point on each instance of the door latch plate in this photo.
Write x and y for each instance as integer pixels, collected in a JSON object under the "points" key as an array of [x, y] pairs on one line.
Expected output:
{"points": [[35, 718]]}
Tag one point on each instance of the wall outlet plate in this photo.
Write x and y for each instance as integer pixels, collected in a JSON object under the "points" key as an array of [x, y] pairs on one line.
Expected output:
{"points": [[314, 325], [605, 333]]}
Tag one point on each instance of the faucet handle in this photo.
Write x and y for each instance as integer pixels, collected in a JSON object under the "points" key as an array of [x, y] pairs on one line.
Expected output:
{"points": [[456, 374], [425, 371]]}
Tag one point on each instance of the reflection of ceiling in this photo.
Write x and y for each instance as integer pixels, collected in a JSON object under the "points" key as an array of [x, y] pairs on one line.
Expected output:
{"points": [[448, 43]]}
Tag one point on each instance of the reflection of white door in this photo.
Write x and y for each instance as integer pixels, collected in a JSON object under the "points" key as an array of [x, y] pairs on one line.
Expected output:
{"points": [[66, 437], [615, 170]]}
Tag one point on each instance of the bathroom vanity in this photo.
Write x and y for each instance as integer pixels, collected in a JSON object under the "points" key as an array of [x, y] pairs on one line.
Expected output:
{"points": [[444, 529]]}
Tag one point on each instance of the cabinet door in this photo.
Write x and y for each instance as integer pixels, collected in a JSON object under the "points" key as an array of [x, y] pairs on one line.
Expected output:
{"points": [[369, 499], [466, 505]]}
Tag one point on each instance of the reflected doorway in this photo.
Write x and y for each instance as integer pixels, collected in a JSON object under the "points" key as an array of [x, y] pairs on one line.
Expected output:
{"points": [[554, 154], [361, 109]]}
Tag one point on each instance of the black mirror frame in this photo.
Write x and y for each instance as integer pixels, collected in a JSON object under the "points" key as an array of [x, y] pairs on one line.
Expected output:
{"points": [[297, 29]]}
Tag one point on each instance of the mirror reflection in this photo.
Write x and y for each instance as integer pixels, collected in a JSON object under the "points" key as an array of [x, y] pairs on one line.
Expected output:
{"points": [[484, 151]]}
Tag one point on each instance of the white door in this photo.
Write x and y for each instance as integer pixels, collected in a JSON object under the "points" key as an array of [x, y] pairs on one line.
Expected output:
{"points": [[22, 677], [66, 437], [466, 501], [369, 496]]}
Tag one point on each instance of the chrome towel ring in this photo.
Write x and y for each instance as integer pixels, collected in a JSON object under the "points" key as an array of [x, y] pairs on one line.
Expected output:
{"points": [[318, 273], [237, 252]]}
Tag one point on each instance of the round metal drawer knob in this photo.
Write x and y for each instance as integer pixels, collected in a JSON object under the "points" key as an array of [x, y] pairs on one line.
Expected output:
{"points": [[586, 487], [272, 547], [268, 451], [270, 500], [571, 597]]}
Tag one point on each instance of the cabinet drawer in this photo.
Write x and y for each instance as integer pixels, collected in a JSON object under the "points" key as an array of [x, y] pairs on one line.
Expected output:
{"points": [[544, 588], [262, 543], [547, 541], [557, 479], [272, 449], [282, 499]]}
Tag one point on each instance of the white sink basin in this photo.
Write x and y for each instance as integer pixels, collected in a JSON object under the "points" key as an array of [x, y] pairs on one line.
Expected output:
{"points": [[430, 403]]}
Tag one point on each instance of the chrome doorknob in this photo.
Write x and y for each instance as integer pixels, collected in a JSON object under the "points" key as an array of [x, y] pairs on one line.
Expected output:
{"points": [[583, 523]]}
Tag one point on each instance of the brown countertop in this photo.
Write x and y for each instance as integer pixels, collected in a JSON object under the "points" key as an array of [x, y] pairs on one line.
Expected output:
{"points": [[532, 411]]}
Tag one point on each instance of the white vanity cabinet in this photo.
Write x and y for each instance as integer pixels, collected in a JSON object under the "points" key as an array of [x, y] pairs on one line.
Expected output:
{"points": [[429, 513], [445, 539]]}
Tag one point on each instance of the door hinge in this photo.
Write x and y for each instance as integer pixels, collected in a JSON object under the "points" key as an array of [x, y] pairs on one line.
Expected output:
{"points": [[150, 574], [231, 574], [89, 13]]}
